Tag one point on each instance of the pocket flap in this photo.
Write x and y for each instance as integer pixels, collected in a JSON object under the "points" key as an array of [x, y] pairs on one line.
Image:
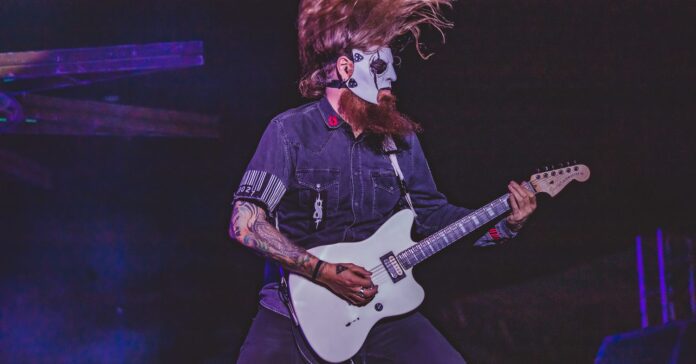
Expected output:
{"points": [[317, 179], [385, 180]]}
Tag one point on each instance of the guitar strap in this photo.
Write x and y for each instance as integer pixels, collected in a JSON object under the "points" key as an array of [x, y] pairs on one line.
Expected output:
{"points": [[389, 147]]}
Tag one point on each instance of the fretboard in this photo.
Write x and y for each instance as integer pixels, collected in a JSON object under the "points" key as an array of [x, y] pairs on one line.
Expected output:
{"points": [[455, 231]]}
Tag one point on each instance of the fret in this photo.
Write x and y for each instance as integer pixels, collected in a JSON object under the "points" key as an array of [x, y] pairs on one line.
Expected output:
{"points": [[426, 253], [469, 225], [482, 217], [404, 259], [490, 212], [419, 253], [499, 208], [475, 219], [440, 243], [430, 246], [407, 257], [445, 244], [461, 227], [417, 250]]}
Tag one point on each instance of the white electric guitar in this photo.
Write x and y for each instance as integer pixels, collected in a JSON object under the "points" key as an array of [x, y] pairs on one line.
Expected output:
{"points": [[335, 329]]}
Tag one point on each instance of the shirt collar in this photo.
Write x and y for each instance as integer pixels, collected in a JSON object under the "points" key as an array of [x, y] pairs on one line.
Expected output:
{"points": [[330, 116]]}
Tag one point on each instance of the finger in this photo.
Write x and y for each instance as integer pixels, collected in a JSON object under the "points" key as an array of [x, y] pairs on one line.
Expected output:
{"points": [[521, 191], [360, 301], [352, 299], [528, 193], [513, 201], [366, 293], [518, 197], [360, 270], [348, 296], [370, 292], [529, 196], [359, 281]]}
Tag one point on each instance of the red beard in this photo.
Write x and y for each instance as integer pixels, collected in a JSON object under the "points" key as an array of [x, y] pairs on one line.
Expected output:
{"points": [[381, 119]]}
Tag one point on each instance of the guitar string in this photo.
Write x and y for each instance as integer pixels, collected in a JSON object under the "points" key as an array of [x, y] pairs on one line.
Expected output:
{"points": [[379, 270]]}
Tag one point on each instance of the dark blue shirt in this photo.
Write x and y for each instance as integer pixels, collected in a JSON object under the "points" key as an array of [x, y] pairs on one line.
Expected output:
{"points": [[326, 186]]}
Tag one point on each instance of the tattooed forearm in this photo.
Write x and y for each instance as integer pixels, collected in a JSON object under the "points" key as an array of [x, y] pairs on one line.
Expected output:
{"points": [[250, 227]]}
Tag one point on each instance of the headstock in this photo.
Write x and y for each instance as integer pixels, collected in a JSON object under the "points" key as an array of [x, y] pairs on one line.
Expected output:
{"points": [[554, 180]]}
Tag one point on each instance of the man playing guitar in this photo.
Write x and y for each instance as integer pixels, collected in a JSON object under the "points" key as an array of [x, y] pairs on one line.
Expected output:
{"points": [[321, 175]]}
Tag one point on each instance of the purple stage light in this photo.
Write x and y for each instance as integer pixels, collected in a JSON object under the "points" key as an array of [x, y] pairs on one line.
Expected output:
{"points": [[641, 283], [692, 286], [663, 281]]}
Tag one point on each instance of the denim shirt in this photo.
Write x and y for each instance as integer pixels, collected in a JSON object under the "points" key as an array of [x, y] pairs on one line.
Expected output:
{"points": [[324, 185]]}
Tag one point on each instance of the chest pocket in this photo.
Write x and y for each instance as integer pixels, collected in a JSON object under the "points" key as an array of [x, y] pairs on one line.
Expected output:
{"points": [[323, 183], [386, 192]]}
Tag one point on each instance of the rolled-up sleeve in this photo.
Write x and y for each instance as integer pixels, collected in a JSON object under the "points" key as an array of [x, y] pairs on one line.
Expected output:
{"points": [[433, 210], [265, 180]]}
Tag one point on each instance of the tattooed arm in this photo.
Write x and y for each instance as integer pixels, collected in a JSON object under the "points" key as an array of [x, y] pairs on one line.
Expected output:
{"points": [[251, 227]]}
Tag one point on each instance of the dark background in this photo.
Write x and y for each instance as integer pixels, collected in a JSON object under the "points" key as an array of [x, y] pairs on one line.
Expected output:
{"points": [[127, 258]]}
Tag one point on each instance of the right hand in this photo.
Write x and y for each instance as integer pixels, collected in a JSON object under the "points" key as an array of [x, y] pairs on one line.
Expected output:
{"points": [[346, 279]]}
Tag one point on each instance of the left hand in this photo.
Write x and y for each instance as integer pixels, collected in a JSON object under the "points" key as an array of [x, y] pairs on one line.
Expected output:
{"points": [[523, 204]]}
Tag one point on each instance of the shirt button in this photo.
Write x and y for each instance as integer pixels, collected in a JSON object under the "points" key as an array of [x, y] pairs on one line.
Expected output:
{"points": [[355, 204], [355, 173]]}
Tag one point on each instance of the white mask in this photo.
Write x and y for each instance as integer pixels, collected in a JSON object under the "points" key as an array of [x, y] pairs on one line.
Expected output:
{"points": [[373, 71]]}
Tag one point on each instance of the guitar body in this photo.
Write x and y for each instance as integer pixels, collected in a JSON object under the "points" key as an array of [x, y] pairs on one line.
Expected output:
{"points": [[335, 329]]}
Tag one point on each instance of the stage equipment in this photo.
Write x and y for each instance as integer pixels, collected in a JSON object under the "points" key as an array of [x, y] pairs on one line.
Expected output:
{"points": [[666, 290], [666, 275], [674, 343], [22, 112], [23, 72]]}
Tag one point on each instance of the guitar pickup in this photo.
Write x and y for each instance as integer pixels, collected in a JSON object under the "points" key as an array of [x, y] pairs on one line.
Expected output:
{"points": [[393, 267]]}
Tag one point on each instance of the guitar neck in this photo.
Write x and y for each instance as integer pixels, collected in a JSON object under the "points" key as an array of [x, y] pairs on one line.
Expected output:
{"points": [[456, 230]]}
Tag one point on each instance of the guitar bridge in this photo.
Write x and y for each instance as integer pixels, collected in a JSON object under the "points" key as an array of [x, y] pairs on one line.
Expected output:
{"points": [[393, 267]]}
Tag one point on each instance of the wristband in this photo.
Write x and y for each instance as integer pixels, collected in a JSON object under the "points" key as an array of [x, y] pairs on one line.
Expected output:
{"points": [[316, 269]]}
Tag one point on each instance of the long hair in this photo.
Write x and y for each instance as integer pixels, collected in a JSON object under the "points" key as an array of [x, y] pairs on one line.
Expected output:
{"points": [[328, 29]]}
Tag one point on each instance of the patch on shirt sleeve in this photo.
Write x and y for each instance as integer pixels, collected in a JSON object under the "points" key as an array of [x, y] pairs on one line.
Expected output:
{"points": [[263, 186]]}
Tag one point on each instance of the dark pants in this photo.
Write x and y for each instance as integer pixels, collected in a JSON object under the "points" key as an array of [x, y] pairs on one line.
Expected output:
{"points": [[407, 339]]}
